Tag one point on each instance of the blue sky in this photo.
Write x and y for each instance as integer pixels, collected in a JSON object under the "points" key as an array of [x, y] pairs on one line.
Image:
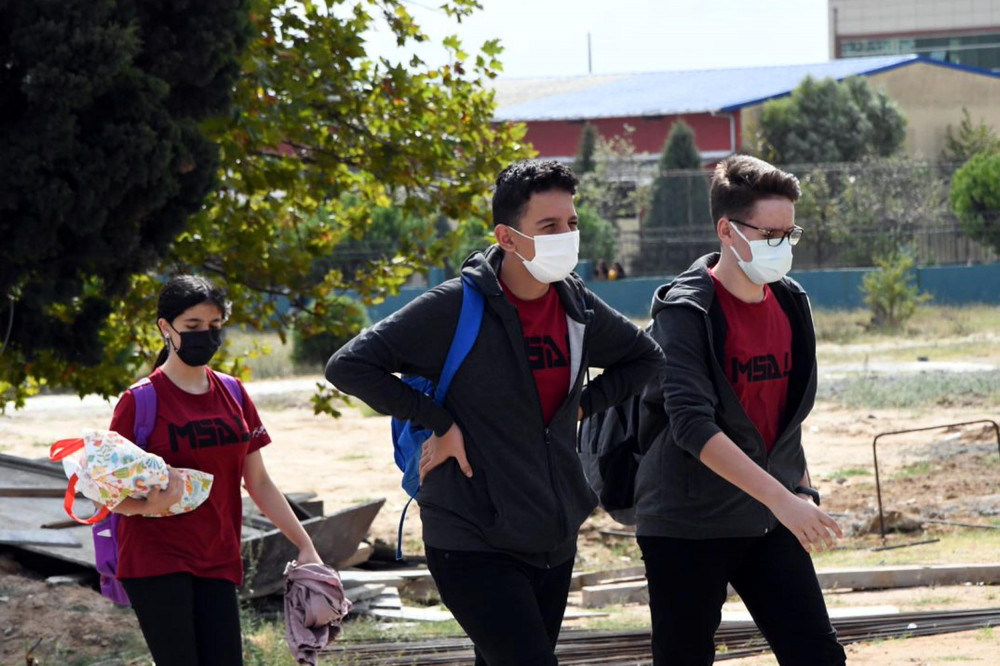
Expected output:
{"points": [[549, 37]]}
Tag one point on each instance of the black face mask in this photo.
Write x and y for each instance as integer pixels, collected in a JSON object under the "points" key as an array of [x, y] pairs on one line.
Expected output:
{"points": [[198, 347]]}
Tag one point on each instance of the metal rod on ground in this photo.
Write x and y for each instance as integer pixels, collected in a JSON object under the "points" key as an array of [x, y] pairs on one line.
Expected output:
{"points": [[878, 482], [583, 648], [958, 524], [905, 545]]}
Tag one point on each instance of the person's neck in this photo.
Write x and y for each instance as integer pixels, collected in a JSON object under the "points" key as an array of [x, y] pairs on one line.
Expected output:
{"points": [[736, 282], [519, 281], [187, 378]]}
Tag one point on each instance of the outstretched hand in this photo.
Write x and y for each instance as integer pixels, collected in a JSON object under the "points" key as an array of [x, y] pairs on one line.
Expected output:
{"points": [[437, 450], [813, 528]]}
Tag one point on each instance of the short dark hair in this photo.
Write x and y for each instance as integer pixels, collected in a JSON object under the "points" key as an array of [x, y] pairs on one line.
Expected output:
{"points": [[520, 180], [740, 181]]}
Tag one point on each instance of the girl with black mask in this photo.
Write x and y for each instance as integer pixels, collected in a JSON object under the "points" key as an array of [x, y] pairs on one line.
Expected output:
{"points": [[181, 572]]}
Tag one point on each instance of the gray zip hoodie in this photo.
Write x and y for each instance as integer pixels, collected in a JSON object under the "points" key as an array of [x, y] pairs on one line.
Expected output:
{"points": [[676, 494], [528, 495]]}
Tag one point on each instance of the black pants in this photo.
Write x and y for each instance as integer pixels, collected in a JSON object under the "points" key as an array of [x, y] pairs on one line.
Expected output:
{"points": [[186, 620], [512, 611], [772, 574]]}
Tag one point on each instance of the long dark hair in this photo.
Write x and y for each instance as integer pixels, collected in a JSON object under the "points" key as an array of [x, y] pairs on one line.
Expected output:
{"points": [[186, 291]]}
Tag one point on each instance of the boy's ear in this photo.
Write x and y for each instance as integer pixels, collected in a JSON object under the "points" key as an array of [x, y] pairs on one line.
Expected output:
{"points": [[503, 235], [724, 230]]}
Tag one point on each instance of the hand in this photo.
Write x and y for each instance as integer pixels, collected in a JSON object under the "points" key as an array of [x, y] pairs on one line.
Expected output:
{"points": [[803, 519], [308, 555], [160, 499], [579, 413], [436, 450]]}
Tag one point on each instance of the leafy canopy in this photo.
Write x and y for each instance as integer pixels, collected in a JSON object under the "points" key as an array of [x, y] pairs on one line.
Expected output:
{"points": [[101, 164], [975, 198], [829, 121], [321, 135]]}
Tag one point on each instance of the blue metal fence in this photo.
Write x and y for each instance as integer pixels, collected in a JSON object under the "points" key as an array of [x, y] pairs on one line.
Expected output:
{"points": [[834, 289]]}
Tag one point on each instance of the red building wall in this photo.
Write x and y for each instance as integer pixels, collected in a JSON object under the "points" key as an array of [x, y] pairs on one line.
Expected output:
{"points": [[560, 138]]}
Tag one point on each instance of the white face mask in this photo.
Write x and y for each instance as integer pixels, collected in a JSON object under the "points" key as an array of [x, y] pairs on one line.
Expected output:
{"points": [[767, 263], [556, 255]]}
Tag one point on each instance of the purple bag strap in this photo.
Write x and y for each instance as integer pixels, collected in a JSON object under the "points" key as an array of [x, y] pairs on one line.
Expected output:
{"points": [[233, 385], [145, 405], [145, 410]]}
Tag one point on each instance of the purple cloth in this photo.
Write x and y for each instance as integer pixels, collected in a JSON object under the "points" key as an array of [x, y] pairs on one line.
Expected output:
{"points": [[314, 606]]}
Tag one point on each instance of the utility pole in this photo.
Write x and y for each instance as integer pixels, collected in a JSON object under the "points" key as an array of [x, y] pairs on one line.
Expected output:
{"points": [[590, 64]]}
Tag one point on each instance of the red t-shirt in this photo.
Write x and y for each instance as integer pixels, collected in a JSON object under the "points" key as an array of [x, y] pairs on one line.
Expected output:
{"points": [[758, 358], [546, 339], [207, 432]]}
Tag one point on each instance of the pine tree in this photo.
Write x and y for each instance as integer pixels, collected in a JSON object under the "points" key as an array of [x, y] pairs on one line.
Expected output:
{"points": [[679, 196], [968, 140], [585, 162], [102, 159], [679, 199]]}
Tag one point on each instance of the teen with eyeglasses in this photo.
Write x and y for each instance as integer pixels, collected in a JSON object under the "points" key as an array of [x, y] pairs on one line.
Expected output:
{"points": [[723, 494]]}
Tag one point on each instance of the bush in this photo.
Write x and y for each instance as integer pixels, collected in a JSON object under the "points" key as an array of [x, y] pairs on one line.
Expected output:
{"points": [[345, 319], [889, 292], [597, 235], [975, 198]]}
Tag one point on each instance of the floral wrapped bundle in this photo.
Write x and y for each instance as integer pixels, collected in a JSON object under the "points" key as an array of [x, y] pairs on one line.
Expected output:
{"points": [[106, 468]]}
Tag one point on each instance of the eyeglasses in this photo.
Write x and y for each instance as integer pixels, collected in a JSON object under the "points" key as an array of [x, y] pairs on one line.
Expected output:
{"points": [[775, 236]]}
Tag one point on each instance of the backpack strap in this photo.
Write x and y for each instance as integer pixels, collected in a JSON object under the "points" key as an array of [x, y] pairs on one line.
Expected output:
{"points": [[232, 385], [145, 405], [470, 319], [145, 411]]}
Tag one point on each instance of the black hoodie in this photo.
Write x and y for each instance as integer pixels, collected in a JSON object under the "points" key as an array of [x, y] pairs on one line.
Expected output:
{"points": [[528, 495], [676, 494]]}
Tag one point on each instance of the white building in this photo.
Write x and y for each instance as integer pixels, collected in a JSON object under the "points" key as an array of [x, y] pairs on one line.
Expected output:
{"points": [[962, 32]]}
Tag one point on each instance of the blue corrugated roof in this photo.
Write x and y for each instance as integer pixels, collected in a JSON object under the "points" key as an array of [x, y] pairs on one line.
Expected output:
{"points": [[693, 91]]}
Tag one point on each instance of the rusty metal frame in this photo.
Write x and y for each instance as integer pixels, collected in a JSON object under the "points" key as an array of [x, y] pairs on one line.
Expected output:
{"points": [[878, 483]]}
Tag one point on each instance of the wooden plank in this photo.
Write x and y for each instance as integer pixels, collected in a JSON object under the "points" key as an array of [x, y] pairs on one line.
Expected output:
{"points": [[60, 524], [36, 467], [364, 592], [38, 537], [605, 576], [412, 614], [909, 576], [336, 538], [28, 513], [360, 556], [300, 512], [387, 599], [578, 614], [21, 491], [422, 588], [353, 577], [598, 596], [835, 612], [595, 596]]}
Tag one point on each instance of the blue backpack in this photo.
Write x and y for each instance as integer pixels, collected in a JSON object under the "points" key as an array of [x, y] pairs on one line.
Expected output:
{"points": [[407, 437], [106, 531]]}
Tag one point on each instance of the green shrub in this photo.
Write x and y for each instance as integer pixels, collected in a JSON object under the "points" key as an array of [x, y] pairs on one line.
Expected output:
{"points": [[975, 198], [314, 346], [890, 293]]}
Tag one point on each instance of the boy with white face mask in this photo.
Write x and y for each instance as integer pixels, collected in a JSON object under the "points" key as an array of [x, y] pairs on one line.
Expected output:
{"points": [[723, 494], [502, 492]]}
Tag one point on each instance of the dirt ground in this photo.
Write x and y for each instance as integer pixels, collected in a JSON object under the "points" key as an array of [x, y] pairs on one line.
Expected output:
{"points": [[946, 475]]}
